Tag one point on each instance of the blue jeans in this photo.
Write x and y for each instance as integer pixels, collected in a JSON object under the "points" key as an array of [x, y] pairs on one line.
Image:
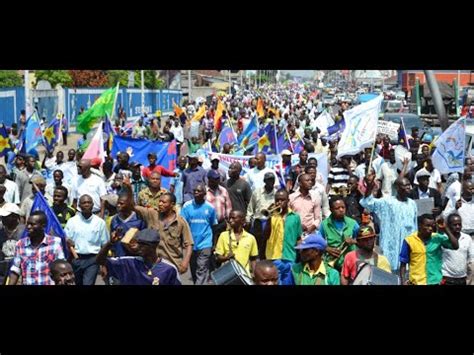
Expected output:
{"points": [[85, 269], [284, 271]]}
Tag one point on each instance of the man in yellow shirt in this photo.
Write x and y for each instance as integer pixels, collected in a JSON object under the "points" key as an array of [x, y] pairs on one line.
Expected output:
{"points": [[237, 243]]}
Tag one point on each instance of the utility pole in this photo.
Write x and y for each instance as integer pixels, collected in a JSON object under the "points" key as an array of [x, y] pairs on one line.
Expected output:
{"points": [[437, 99], [189, 85], [142, 72]]}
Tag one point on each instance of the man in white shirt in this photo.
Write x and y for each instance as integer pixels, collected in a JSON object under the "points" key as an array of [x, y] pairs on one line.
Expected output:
{"points": [[465, 208], [456, 262], [88, 183], [255, 176], [58, 177], [12, 195], [435, 177], [377, 162], [177, 131], [87, 234], [388, 174]]}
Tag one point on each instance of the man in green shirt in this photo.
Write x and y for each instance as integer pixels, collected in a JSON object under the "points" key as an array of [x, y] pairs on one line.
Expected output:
{"points": [[312, 270], [340, 232], [422, 251]]}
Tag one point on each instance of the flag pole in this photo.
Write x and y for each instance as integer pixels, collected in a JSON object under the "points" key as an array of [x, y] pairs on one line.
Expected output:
{"points": [[276, 137], [115, 102], [405, 130], [289, 139], [373, 145]]}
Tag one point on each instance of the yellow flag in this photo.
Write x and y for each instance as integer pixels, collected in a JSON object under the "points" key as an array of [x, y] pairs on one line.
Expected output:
{"points": [[177, 110], [220, 108], [260, 110], [200, 114]]}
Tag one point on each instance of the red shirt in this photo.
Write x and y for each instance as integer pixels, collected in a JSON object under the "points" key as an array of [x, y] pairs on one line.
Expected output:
{"points": [[146, 172]]}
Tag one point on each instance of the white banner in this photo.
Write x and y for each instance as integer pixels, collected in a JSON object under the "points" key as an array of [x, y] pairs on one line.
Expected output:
{"points": [[388, 128], [361, 127], [272, 161]]}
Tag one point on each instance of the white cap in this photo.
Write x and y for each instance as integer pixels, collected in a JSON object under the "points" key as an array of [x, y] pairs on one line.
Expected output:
{"points": [[286, 152], [422, 172], [215, 156], [8, 209]]}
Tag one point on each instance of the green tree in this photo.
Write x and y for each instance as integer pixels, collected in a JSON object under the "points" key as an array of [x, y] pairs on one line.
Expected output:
{"points": [[9, 78], [152, 81], [54, 77], [118, 75]]}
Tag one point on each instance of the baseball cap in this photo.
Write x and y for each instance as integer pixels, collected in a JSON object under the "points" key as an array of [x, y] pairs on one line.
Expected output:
{"points": [[135, 163], [193, 155], [9, 208], [427, 138], [314, 240], [213, 174], [286, 152], [422, 172], [148, 235]]}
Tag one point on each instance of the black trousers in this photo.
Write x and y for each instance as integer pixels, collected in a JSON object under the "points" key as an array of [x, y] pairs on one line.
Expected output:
{"points": [[453, 281], [257, 230]]}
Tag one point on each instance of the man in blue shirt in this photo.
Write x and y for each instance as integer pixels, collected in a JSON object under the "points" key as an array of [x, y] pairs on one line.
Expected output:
{"points": [[87, 233], [201, 216], [147, 268], [125, 219], [192, 176]]}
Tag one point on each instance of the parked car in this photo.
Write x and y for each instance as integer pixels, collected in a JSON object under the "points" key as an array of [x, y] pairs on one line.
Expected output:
{"points": [[393, 106], [410, 120]]}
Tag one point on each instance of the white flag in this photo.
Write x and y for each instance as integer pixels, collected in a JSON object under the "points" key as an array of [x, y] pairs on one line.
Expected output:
{"points": [[448, 156], [323, 121], [361, 127]]}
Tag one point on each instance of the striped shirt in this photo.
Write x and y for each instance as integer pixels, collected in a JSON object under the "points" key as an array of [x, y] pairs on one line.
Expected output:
{"points": [[338, 176], [220, 200]]}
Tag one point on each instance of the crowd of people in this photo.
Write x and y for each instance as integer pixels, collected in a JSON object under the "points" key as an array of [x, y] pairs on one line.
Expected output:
{"points": [[289, 225]]}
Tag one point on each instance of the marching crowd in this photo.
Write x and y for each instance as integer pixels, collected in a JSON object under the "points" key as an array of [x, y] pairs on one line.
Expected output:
{"points": [[290, 224]]}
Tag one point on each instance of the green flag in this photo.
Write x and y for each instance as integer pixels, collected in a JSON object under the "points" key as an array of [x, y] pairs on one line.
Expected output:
{"points": [[102, 106]]}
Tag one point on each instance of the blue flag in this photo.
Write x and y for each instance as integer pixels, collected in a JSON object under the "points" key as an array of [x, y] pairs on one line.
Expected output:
{"points": [[337, 127], [249, 136], [282, 142], [138, 150], [53, 227], [5, 146], [33, 134], [109, 133], [226, 136], [51, 134]]}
